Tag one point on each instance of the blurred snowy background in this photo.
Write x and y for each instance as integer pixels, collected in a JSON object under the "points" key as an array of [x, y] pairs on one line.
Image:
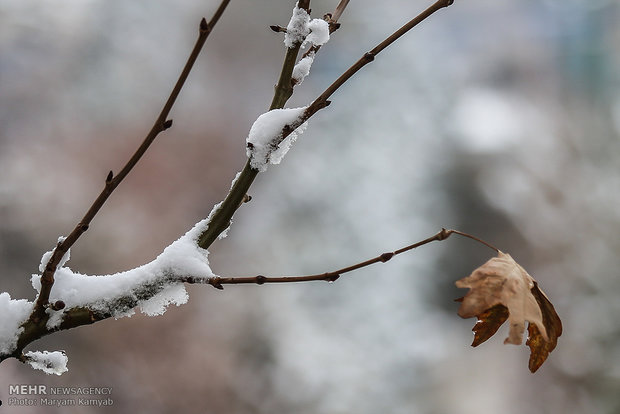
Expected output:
{"points": [[498, 118]]}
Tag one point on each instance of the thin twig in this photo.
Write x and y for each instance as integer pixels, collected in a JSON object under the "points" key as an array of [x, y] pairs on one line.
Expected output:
{"points": [[83, 316], [220, 220], [368, 57], [284, 87], [35, 325], [332, 20], [339, 10], [218, 281], [111, 182], [222, 216], [322, 101]]}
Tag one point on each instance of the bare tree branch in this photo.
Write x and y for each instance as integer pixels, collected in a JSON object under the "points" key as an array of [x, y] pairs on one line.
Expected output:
{"points": [[322, 101], [111, 182], [35, 326], [339, 10], [222, 216], [218, 281]]}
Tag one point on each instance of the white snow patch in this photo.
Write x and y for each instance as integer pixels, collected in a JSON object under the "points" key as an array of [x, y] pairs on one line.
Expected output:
{"points": [[55, 318], [12, 314], [48, 362], [265, 144], [174, 294], [302, 68], [301, 29], [309, 33], [48, 255], [297, 28], [319, 32], [234, 181], [152, 286]]}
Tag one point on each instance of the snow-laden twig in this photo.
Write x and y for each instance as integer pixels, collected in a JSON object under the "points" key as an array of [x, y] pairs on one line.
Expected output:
{"points": [[318, 35], [112, 181], [151, 287], [76, 299], [297, 28], [265, 144], [284, 89]]}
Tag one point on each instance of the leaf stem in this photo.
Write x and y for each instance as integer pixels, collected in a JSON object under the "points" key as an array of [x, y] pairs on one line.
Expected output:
{"points": [[489, 245]]}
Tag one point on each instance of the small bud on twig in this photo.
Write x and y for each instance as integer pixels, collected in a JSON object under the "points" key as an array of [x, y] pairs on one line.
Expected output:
{"points": [[278, 29], [204, 26], [215, 282], [333, 278], [58, 305], [369, 56], [386, 256], [167, 124]]}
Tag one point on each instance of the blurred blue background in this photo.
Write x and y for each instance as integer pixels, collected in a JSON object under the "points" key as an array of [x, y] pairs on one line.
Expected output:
{"points": [[500, 119]]}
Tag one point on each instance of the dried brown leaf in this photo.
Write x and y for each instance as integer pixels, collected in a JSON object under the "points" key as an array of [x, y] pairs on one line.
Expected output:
{"points": [[500, 289], [488, 323], [539, 347]]}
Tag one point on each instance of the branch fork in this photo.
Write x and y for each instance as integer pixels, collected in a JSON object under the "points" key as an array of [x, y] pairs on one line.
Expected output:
{"points": [[35, 326]]}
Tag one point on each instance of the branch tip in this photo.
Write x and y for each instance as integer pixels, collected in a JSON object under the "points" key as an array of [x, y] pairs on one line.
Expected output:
{"points": [[277, 29], [204, 26]]}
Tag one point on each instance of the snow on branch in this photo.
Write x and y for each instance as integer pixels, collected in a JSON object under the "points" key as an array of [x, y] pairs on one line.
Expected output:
{"points": [[302, 68], [13, 313], [77, 299], [267, 143], [297, 28], [151, 287], [318, 33], [309, 33], [68, 299], [48, 362]]}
